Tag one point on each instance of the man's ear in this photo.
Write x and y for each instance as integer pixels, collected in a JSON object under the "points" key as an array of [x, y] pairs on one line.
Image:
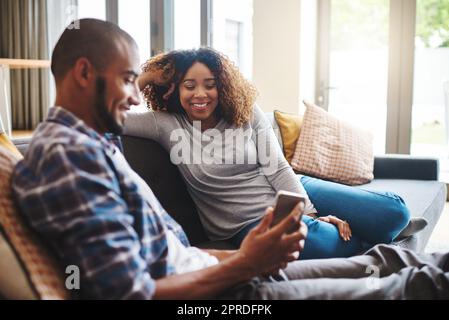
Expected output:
{"points": [[83, 72]]}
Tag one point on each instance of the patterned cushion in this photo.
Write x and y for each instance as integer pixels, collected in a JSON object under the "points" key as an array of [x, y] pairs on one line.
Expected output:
{"points": [[14, 282], [5, 142], [41, 271], [333, 150], [290, 127]]}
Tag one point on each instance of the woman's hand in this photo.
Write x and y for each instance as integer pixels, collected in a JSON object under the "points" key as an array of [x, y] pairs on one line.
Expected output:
{"points": [[152, 76], [343, 226], [157, 75]]}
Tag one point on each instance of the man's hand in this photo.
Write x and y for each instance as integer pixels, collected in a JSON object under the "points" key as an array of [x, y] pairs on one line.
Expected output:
{"points": [[343, 226], [265, 250]]}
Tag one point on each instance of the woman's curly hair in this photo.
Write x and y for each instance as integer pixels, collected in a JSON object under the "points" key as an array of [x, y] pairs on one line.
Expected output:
{"points": [[236, 95]]}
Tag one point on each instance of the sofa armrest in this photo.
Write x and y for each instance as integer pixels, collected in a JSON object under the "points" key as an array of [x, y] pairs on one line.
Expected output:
{"points": [[405, 167], [22, 144]]}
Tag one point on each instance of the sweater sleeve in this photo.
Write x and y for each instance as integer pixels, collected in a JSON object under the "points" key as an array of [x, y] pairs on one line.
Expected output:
{"points": [[142, 125], [272, 161]]}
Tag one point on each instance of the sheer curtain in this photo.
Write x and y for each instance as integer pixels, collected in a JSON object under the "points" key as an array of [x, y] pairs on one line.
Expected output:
{"points": [[24, 36]]}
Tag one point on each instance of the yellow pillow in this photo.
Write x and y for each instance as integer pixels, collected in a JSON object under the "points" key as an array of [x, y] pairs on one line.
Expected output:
{"points": [[5, 142], [290, 127]]}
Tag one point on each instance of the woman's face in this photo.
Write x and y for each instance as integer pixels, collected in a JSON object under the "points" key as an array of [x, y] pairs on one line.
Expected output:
{"points": [[198, 95]]}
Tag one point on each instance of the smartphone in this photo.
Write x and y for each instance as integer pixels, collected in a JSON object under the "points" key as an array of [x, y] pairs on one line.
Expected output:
{"points": [[285, 202]]}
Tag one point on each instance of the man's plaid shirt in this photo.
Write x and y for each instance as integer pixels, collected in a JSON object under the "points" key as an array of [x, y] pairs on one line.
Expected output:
{"points": [[81, 202]]}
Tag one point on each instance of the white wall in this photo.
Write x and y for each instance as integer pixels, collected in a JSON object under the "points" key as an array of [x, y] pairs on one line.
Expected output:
{"points": [[276, 59], [308, 48]]}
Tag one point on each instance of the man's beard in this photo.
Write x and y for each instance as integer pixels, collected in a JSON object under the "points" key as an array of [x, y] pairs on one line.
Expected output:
{"points": [[104, 119]]}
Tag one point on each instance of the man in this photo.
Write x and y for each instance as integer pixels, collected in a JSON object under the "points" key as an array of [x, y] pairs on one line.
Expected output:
{"points": [[78, 192]]}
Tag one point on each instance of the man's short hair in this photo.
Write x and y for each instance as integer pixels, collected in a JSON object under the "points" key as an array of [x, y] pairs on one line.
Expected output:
{"points": [[95, 40]]}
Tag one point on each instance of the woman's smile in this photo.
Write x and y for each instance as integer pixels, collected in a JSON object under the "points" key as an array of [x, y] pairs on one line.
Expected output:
{"points": [[200, 106]]}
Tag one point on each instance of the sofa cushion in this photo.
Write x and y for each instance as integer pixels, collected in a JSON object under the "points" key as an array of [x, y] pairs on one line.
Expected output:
{"points": [[153, 164], [270, 117], [14, 282], [41, 271], [5, 142], [22, 144], [424, 199], [331, 149], [290, 128]]}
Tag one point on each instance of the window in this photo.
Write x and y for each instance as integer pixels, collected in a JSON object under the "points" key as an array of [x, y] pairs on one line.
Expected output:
{"points": [[92, 9], [232, 28], [228, 29], [397, 79], [358, 66], [233, 34], [430, 113], [187, 24], [135, 19]]}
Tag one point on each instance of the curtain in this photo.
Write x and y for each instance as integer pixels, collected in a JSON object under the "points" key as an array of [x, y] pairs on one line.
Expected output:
{"points": [[24, 36], [63, 12]]}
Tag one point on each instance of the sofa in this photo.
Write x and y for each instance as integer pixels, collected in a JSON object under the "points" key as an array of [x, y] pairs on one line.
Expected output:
{"points": [[27, 270], [414, 179]]}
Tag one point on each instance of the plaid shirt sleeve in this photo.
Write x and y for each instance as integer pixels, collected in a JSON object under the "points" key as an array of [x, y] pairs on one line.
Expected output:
{"points": [[73, 200]]}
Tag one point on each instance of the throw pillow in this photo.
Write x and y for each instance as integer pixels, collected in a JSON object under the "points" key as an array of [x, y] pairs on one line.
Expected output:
{"points": [[290, 128], [5, 142], [42, 271], [14, 282], [331, 149]]}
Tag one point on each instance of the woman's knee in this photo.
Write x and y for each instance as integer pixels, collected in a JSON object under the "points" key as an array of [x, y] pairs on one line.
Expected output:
{"points": [[400, 213], [398, 218], [324, 241]]}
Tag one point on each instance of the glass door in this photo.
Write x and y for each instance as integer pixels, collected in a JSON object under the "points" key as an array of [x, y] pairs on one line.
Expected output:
{"points": [[353, 85], [430, 112]]}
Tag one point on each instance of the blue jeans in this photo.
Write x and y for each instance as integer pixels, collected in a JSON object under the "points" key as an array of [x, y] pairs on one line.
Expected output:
{"points": [[374, 217]]}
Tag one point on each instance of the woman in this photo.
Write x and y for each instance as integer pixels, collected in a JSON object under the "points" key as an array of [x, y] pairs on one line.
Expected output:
{"points": [[203, 105]]}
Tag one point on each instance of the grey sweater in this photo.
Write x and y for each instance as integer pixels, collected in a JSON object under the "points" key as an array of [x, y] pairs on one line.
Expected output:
{"points": [[231, 173]]}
